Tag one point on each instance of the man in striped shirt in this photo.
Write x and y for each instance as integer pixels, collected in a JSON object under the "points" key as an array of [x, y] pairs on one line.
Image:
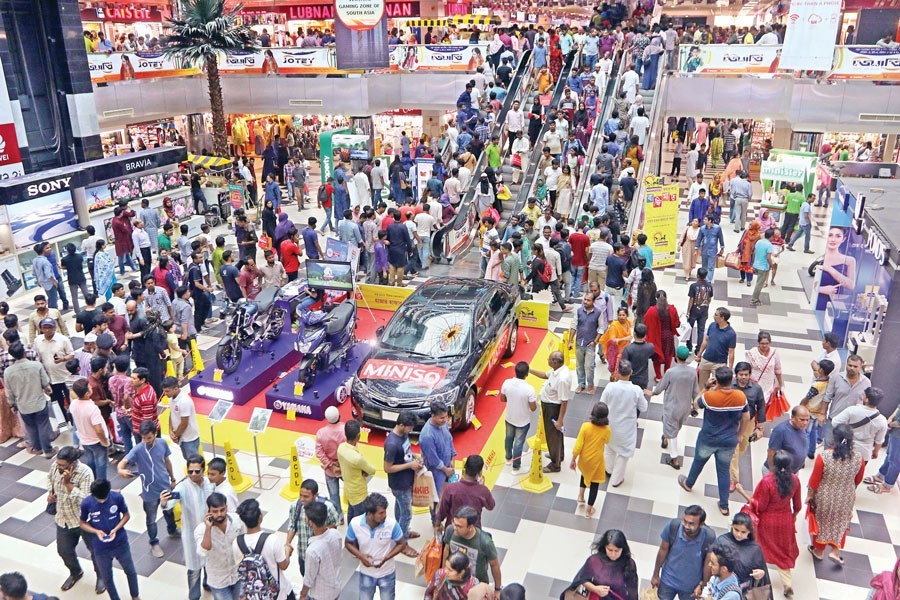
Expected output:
{"points": [[725, 413], [143, 406]]}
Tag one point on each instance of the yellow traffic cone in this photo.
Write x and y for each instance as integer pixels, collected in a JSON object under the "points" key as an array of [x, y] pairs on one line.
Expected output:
{"points": [[292, 490], [196, 359], [235, 477], [170, 369], [536, 482]]}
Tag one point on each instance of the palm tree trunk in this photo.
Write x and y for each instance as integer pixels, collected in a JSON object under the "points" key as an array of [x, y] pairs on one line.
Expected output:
{"points": [[216, 105]]}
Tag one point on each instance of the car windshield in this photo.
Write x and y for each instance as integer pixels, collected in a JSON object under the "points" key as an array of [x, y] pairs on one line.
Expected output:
{"points": [[423, 330]]}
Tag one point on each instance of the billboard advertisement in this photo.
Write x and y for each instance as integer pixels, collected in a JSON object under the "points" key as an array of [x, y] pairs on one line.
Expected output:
{"points": [[809, 38], [438, 57], [280, 61], [125, 66]]}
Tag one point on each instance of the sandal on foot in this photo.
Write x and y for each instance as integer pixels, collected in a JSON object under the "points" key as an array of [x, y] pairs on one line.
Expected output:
{"points": [[872, 479], [580, 501], [878, 488], [812, 550], [836, 558], [665, 442], [725, 512]]}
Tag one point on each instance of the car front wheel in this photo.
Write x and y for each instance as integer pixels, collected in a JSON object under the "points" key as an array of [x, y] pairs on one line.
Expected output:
{"points": [[513, 340], [468, 411]]}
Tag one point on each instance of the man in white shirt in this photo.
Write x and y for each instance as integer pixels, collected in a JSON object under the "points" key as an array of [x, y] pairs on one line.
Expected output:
{"points": [[868, 424], [630, 82], [521, 401], [182, 418], [363, 189], [375, 539], [215, 538], [142, 247], [597, 253], [379, 180], [553, 140], [465, 177], [521, 146], [554, 396], [769, 38], [546, 220], [639, 126], [322, 576], [830, 343], [276, 554], [453, 133], [695, 188], [425, 225], [515, 122], [453, 187], [551, 180]]}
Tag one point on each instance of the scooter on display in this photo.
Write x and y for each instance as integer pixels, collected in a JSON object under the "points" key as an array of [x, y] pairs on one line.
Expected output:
{"points": [[324, 339]]}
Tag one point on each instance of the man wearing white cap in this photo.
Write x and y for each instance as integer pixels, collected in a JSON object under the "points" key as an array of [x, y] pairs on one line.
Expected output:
{"points": [[328, 438], [85, 353]]}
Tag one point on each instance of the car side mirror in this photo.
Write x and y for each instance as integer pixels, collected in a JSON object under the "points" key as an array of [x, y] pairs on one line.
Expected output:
{"points": [[379, 331]]}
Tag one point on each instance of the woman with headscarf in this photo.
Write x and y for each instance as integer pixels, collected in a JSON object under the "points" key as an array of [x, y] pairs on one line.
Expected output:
{"points": [[282, 229], [614, 340], [535, 121], [662, 327], [269, 157], [751, 569], [745, 247], [154, 348], [766, 221], [651, 56], [269, 220], [484, 195], [495, 49], [104, 270], [633, 109], [580, 118], [169, 208]]}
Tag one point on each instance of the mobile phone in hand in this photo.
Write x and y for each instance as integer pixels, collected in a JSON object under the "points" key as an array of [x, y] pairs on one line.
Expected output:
{"points": [[175, 495]]}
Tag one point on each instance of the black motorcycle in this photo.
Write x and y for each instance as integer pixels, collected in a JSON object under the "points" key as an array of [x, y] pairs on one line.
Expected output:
{"points": [[254, 322], [324, 338]]}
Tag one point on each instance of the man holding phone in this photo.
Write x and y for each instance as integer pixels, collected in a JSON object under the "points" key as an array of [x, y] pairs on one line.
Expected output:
{"points": [[215, 538], [192, 492], [104, 515]]}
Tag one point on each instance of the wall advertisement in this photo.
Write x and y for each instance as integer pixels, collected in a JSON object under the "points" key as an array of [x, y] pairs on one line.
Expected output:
{"points": [[438, 57], [280, 61], [866, 62], [661, 223], [812, 27], [126, 66]]}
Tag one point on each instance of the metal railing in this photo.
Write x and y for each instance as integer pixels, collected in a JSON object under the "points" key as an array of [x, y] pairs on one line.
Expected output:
{"points": [[653, 147], [453, 238], [529, 177]]}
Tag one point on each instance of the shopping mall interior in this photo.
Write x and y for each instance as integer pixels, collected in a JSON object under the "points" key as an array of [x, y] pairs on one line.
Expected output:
{"points": [[449, 299]]}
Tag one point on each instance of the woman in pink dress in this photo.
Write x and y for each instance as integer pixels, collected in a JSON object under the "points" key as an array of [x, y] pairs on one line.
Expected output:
{"points": [[765, 365]]}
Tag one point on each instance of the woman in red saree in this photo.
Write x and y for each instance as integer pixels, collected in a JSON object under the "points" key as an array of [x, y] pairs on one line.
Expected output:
{"points": [[662, 326], [556, 55]]}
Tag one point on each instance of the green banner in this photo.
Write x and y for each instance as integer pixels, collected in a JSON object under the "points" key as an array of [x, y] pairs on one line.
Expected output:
{"points": [[326, 151]]}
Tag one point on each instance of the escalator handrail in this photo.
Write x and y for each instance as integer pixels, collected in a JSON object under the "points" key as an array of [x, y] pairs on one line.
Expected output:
{"points": [[521, 82], [529, 177], [652, 152], [597, 136]]}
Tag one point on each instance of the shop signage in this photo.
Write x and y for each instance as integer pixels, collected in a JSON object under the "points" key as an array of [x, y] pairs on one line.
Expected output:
{"points": [[875, 244], [394, 370], [122, 13], [46, 187], [810, 35], [325, 12], [382, 297], [10, 159], [438, 57], [728, 58], [781, 171], [125, 66], [280, 61]]}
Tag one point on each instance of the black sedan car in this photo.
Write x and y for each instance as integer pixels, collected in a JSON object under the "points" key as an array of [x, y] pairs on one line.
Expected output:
{"points": [[441, 344]]}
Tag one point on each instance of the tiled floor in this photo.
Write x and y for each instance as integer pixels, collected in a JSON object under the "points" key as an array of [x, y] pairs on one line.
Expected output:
{"points": [[543, 538]]}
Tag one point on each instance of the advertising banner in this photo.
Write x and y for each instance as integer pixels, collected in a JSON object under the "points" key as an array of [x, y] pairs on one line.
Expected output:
{"points": [[534, 313], [810, 36], [728, 59], [338, 251], [125, 66], [10, 158], [853, 268], [360, 32], [438, 57], [281, 61], [381, 297], [661, 223], [866, 62], [782, 171]]}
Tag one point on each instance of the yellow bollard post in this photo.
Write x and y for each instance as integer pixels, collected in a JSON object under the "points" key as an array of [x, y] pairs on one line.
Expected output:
{"points": [[237, 480], [536, 481], [196, 359], [292, 490]]}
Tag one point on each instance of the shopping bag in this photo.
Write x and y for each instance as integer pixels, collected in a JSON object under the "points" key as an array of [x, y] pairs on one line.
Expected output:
{"points": [[748, 510], [429, 559], [516, 161], [720, 261], [733, 260], [684, 331], [424, 491], [812, 523], [649, 594], [265, 242], [759, 592], [776, 406]]}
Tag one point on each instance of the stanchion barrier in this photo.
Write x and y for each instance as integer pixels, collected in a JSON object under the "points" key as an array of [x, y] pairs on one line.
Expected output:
{"points": [[235, 477], [536, 482], [292, 490]]}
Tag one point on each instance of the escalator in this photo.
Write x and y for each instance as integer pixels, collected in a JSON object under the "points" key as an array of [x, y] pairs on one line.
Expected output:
{"points": [[453, 238], [529, 177], [581, 193]]}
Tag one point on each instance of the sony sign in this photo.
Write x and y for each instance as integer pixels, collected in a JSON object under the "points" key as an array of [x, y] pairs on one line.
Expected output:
{"points": [[875, 244], [46, 187]]}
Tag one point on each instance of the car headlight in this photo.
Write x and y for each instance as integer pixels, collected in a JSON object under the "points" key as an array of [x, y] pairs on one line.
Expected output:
{"points": [[447, 398], [358, 388]]}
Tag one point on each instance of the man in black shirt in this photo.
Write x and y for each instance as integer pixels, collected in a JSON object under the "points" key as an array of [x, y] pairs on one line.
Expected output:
{"points": [[504, 73], [700, 294], [639, 353], [198, 178], [628, 184], [199, 289], [751, 430], [229, 274], [616, 265], [84, 320]]}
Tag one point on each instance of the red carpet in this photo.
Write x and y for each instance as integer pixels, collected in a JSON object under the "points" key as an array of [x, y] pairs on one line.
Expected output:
{"points": [[488, 409]]}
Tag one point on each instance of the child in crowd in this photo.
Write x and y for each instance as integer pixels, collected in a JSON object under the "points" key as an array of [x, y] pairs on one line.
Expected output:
{"points": [[175, 354]]}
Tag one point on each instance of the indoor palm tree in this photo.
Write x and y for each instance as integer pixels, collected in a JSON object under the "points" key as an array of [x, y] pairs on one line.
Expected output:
{"points": [[199, 33]]}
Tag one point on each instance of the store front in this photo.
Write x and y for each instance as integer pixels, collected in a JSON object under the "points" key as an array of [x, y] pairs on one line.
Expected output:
{"points": [[284, 22], [55, 206], [389, 128], [136, 137], [115, 19], [248, 134]]}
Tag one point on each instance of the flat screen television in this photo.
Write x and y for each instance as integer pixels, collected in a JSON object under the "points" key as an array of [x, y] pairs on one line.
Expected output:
{"points": [[98, 197], [42, 219], [329, 275], [183, 206], [173, 180], [152, 184], [125, 189]]}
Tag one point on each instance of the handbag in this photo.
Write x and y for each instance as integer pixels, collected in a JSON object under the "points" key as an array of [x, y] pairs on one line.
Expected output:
{"points": [[759, 592], [749, 511], [733, 260], [516, 160], [51, 506], [265, 242], [777, 405]]}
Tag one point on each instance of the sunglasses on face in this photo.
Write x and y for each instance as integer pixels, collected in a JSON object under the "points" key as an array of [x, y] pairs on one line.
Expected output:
{"points": [[193, 471]]}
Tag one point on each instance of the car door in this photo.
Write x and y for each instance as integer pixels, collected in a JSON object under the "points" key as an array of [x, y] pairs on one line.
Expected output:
{"points": [[491, 342]]}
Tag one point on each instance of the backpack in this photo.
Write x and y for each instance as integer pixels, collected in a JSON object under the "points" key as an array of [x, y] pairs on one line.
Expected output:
{"points": [[257, 580], [702, 296], [322, 195], [547, 272]]}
